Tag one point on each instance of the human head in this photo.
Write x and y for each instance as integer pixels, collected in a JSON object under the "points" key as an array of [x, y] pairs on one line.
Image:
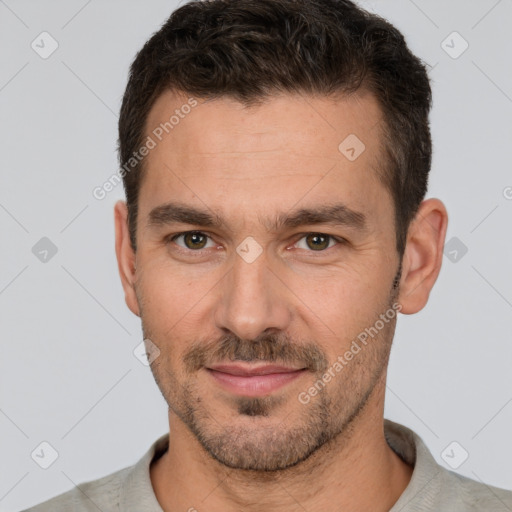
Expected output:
{"points": [[249, 50], [243, 165]]}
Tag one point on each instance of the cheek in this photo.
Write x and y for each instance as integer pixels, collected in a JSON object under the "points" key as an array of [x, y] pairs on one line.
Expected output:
{"points": [[171, 299], [340, 306], [348, 287]]}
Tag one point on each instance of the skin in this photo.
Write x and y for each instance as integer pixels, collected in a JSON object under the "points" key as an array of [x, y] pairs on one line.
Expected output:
{"points": [[294, 304]]}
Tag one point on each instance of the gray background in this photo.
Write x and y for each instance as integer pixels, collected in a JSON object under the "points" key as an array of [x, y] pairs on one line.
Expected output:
{"points": [[68, 373]]}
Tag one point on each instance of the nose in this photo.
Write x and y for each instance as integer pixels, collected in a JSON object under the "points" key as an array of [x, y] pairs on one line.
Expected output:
{"points": [[253, 299]]}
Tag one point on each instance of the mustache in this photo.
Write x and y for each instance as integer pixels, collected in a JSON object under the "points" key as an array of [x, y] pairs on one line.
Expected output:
{"points": [[267, 347]]}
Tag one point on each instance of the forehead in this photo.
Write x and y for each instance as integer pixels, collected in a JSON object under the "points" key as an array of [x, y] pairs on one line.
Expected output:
{"points": [[290, 150]]}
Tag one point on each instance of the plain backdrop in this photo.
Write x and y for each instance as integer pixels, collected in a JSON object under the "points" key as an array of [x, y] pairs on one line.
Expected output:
{"points": [[68, 373]]}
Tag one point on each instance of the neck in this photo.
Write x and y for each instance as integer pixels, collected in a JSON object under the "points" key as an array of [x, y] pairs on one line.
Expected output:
{"points": [[355, 471]]}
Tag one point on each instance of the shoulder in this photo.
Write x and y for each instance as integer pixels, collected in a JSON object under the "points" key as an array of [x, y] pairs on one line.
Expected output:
{"points": [[435, 487], [129, 488], [469, 495], [100, 494]]}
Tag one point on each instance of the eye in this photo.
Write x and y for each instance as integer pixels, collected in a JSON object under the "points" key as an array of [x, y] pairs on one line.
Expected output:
{"points": [[318, 242], [193, 240]]}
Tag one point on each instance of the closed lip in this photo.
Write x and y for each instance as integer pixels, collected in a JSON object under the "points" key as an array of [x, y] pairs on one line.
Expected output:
{"points": [[250, 371]]}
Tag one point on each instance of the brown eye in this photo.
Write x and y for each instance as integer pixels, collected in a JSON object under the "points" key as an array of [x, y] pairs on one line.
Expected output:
{"points": [[192, 240], [318, 241]]}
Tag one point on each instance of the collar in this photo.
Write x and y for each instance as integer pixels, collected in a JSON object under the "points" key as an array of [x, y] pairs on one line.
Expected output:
{"points": [[136, 492]]}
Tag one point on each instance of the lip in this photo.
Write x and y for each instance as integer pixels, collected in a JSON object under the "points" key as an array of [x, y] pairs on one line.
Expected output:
{"points": [[250, 370], [253, 381]]}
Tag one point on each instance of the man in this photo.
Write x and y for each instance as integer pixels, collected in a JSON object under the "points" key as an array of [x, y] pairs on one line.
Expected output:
{"points": [[275, 157]]}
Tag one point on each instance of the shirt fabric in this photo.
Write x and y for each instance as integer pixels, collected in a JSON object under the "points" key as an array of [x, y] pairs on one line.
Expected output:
{"points": [[431, 488]]}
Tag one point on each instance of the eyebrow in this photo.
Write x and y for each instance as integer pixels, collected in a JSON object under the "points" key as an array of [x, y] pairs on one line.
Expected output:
{"points": [[335, 215]]}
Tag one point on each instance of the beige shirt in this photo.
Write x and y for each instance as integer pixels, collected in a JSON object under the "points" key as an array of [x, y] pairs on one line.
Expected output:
{"points": [[432, 487]]}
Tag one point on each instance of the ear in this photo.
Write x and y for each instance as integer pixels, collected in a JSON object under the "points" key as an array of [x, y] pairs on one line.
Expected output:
{"points": [[423, 255], [125, 256]]}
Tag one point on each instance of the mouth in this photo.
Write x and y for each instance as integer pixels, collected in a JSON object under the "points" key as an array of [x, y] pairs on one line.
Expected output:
{"points": [[253, 381]]}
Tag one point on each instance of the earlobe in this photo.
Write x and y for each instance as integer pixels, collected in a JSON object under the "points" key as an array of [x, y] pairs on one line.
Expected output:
{"points": [[125, 256], [423, 255]]}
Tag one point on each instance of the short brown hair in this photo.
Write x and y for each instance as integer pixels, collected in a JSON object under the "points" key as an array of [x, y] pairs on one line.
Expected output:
{"points": [[248, 50]]}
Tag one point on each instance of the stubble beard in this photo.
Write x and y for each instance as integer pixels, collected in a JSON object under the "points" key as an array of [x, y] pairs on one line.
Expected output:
{"points": [[257, 443]]}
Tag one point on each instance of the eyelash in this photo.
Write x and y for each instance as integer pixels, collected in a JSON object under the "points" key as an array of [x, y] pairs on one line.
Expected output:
{"points": [[172, 238]]}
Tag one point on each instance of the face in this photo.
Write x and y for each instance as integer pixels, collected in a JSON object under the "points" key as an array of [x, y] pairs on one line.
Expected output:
{"points": [[265, 246]]}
